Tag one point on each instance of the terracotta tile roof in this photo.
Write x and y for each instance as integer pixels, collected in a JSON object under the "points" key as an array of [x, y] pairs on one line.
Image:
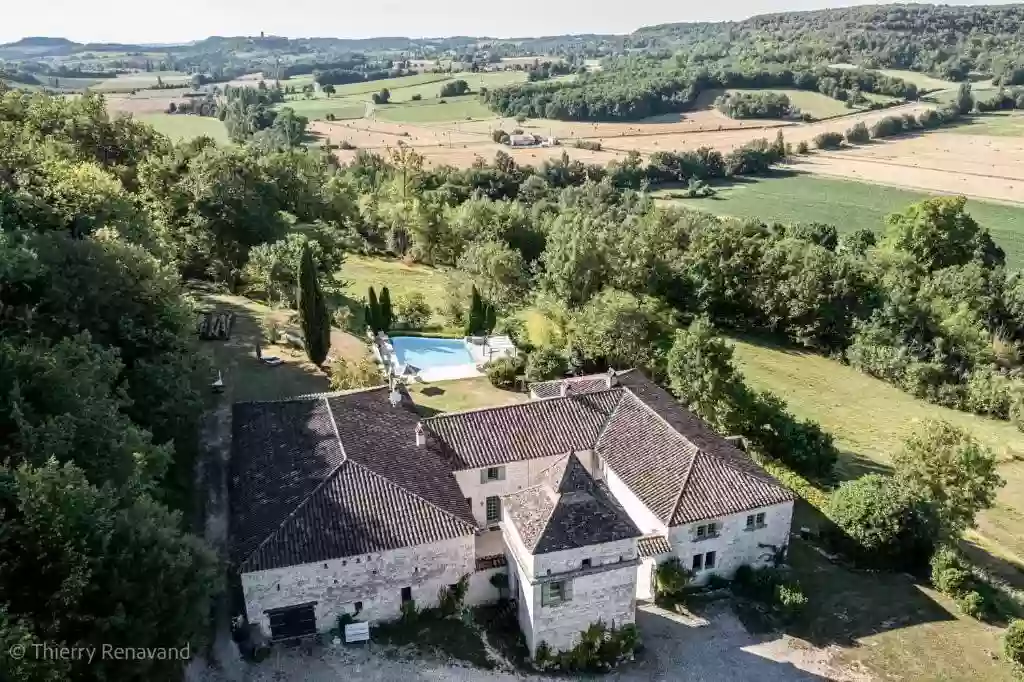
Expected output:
{"points": [[653, 545], [498, 435], [573, 386], [567, 510], [326, 477]]}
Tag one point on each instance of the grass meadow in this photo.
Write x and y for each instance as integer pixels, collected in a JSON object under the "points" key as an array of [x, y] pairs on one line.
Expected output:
{"points": [[847, 204], [999, 124]]}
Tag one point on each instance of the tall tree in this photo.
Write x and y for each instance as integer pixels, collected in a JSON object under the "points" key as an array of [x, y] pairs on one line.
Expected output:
{"points": [[475, 319], [373, 311], [951, 469], [386, 317], [316, 325]]}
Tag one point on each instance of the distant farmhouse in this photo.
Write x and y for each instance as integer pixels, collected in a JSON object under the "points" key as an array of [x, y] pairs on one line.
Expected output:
{"points": [[352, 504]]}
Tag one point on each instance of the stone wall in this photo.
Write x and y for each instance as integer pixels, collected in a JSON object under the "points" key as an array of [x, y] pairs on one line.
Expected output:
{"points": [[376, 580], [481, 591], [735, 544], [518, 475]]}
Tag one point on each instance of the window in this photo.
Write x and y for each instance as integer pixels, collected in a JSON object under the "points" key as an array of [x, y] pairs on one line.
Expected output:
{"points": [[554, 593], [760, 519], [709, 530], [492, 474], [406, 594], [493, 509], [469, 501], [755, 521], [698, 562], [359, 607], [585, 563], [709, 560]]}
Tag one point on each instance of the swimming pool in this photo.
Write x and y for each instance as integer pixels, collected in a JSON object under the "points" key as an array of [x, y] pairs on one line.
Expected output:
{"points": [[435, 358]]}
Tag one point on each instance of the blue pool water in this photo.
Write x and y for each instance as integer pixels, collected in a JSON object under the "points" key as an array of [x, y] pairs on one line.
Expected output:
{"points": [[431, 353]]}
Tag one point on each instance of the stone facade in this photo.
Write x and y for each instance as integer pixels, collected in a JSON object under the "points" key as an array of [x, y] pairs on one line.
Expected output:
{"points": [[514, 476], [643, 517], [605, 590], [734, 543], [375, 580]]}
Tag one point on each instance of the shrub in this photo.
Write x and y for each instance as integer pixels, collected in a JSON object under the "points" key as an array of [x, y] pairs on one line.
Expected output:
{"points": [[503, 372], [790, 600], [271, 330], [972, 604], [416, 98], [499, 136], [1013, 641], [345, 144], [888, 126], [330, 117], [858, 134], [670, 579], [600, 649], [588, 144], [883, 524], [802, 147], [413, 310], [341, 317], [346, 374], [545, 363], [828, 140], [454, 88], [452, 599]]}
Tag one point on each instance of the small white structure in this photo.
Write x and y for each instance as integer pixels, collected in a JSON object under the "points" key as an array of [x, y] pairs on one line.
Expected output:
{"points": [[521, 141]]}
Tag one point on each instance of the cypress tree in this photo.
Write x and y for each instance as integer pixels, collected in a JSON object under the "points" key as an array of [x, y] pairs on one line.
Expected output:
{"points": [[316, 326], [490, 318], [373, 312], [476, 313], [385, 318]]}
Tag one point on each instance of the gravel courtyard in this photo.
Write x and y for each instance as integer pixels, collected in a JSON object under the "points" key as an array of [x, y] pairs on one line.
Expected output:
{"points": [[716, 649]]}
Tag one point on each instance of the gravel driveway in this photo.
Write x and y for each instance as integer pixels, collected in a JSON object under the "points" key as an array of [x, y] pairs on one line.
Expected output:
{"points": [[691, 648]]}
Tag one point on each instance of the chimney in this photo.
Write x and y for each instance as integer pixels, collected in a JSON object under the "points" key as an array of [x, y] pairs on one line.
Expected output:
{"points": [[611, 379], [563, 388], [421, 435]]}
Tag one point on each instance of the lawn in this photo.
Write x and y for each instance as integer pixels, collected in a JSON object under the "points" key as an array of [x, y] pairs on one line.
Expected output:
{"points": [[848, 205], [362, 272], [434, 111], [141, 81], [464, 394], [181, 127], [1008, 124], [870, 419]]}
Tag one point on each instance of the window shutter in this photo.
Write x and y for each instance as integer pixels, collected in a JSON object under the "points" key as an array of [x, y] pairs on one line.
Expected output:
{"points": [[501, 473], [567, 590], [483, 475]]}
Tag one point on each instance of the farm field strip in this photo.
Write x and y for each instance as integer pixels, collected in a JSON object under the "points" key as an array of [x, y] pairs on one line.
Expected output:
{"points": [[847, 204]]}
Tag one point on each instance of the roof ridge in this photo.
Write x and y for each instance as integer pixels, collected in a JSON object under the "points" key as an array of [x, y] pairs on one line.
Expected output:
{"points": [[414, 494], [492, 408], [608, 419], [682, 487], [700, 450], [319, 486]]}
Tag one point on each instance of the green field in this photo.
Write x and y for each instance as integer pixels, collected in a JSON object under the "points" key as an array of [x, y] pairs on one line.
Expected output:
{"points": [[1000, 124], [362, 272], [848, 205], [179, 127], [870, 419], [434, 111], [318, 108], [141, 81]]}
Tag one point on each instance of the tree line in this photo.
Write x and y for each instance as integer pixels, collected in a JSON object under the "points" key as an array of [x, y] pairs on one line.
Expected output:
{"points": [[638, 88]]}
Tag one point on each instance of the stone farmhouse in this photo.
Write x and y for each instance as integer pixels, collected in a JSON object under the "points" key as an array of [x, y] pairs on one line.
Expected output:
{"points": [[353, 503]]}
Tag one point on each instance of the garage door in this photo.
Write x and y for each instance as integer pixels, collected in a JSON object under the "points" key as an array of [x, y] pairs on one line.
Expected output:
{"points": [[293, 621]]}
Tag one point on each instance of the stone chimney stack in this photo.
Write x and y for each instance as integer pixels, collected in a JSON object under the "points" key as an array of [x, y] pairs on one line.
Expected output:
{"points": [[563, 388], [611, 379], [421, 435]]}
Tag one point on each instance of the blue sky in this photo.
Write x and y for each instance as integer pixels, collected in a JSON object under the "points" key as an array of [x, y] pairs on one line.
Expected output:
{"points": [[183, 20]]}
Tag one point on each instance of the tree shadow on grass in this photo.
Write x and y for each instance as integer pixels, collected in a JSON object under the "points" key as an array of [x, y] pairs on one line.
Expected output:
{"points": [[846, 605]]}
